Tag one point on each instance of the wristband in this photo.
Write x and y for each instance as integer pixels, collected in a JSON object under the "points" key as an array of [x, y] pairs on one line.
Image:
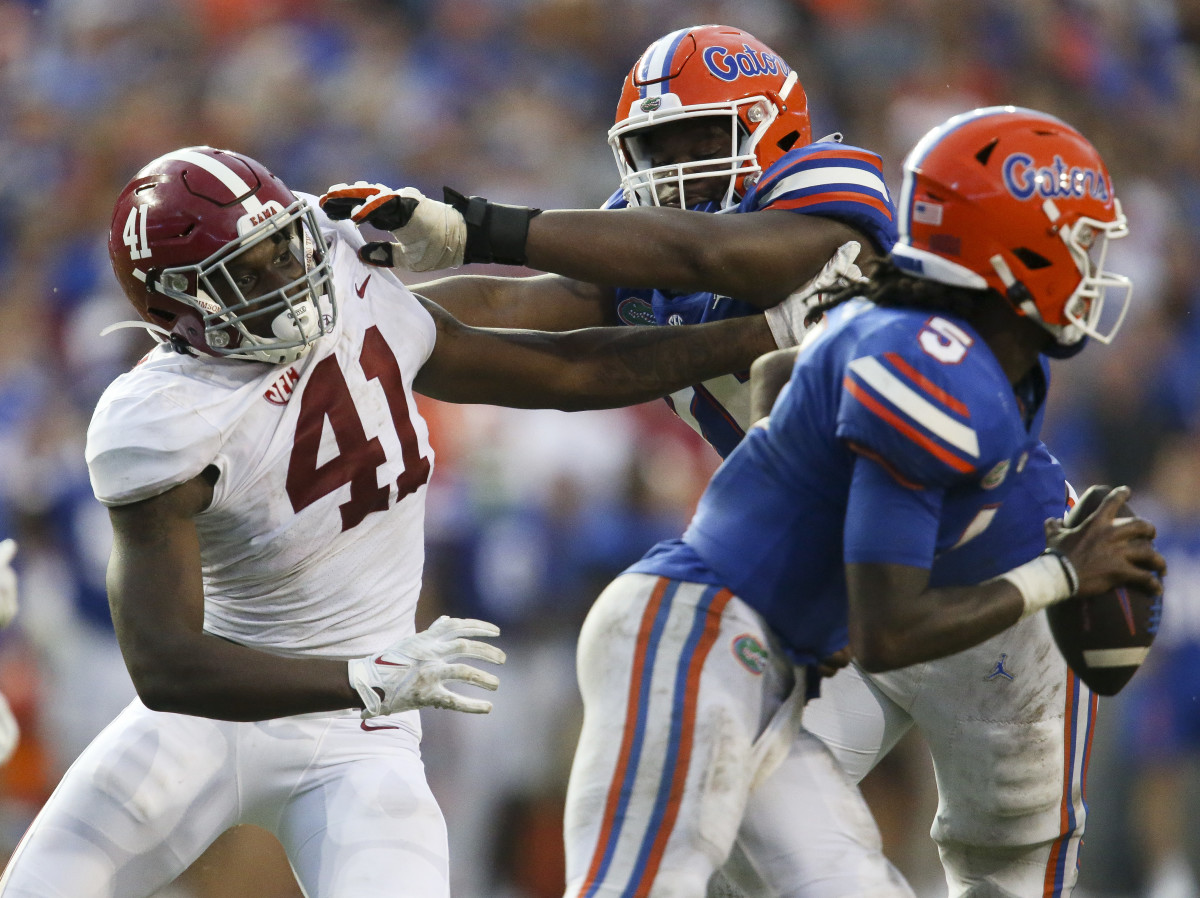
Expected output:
{"points": [[1045, 580], [495, 232], [1068, 569], [359, 671]]}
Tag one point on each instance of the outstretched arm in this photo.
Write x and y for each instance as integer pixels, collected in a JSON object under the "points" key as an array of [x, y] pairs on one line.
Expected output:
{"points": [[601, 367], [546, 302], [758, 257]]}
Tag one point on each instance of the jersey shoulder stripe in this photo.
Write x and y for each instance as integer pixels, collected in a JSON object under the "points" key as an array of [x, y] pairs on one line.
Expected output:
{"points": [[905, 429], [908, 407], [844, 155], [901, 364], [832, 202], [837, 169]]}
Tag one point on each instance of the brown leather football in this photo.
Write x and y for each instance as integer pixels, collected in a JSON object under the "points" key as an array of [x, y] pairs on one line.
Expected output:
{"points": [[1104, 638]]}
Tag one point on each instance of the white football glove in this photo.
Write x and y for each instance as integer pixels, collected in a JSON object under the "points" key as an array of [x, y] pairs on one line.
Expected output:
{"points": [[787, 320], [10, 733], [413, 673], [430, 235], [8, 583]]}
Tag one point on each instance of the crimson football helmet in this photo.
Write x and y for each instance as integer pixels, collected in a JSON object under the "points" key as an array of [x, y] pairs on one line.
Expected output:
{"points": [[707, 71], [1018, 201], [179, 226]]}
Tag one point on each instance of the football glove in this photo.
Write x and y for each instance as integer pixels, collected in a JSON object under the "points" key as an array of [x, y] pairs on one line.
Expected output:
{"points": [[413, 673], [789, 320], [8, 583], [431, 235], [10, 733]]}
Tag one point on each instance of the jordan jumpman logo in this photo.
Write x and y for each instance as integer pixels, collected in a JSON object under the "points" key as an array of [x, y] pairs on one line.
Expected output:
{"points": [[1000, 671]]}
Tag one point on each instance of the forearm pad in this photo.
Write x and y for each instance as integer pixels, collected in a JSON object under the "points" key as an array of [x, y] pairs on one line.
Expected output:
{"points": [[495, 232]]}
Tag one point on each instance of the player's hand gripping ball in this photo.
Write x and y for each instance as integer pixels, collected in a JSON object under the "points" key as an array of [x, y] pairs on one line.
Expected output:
{"points": [[1104, 638]]}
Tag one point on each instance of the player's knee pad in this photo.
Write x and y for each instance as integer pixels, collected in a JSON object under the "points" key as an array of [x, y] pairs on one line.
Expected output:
{"points": [[1006, 784]]}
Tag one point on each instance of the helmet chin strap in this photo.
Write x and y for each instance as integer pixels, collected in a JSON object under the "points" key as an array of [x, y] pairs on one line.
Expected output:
{"points": [[296, 322], [160, 333], [1020, 297]]}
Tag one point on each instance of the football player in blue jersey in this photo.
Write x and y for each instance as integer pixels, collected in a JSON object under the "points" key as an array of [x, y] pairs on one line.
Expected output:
{"points": [[1008, 724], [709, 120], [858, 513]]}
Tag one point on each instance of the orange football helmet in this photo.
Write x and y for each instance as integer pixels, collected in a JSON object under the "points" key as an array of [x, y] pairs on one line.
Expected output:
{"points": [[707, 71], [1018, 201]]}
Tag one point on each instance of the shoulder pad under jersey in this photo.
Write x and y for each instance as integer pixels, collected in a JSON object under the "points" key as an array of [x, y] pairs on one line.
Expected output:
{"points": [[926, 398], [146, 435], [831, 180]]}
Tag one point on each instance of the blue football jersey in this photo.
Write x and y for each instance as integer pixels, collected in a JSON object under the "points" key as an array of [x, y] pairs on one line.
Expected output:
{"points": [[824, 178], [898, 440]]}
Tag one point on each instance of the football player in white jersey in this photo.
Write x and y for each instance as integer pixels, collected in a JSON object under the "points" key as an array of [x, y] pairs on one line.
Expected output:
{"points": [[265, 471], [9, 731]]}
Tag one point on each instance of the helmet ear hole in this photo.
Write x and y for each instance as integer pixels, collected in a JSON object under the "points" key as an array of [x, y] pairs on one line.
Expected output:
{"points": [[986, 153], [162, 314], [788, 140], [1031, 260]]}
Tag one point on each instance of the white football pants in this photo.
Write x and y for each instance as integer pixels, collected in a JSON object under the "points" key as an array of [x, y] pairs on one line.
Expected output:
{"points": [[347, 798], [686, 702], [1009, 728]]}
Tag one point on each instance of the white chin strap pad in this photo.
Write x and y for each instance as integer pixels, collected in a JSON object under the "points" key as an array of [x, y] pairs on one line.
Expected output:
{"points": [[298, 323]]}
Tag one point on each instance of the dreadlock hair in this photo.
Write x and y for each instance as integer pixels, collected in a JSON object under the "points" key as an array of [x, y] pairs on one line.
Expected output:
{"points": [[890, 285]]}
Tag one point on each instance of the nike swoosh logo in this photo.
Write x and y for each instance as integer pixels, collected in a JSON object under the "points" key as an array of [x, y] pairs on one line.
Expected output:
{"points": [[386, 726], [362, 288], [380, 660]]}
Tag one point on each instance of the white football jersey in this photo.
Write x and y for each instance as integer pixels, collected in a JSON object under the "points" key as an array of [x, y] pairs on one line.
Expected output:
{"points": [[314, 542]]}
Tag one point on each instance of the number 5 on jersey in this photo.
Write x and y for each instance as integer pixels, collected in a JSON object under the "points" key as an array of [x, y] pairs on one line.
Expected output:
{"points": [[944, 340], [328, 396]]}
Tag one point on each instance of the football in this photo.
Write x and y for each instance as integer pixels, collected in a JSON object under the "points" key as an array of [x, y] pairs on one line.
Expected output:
{"points": [[1104, 638]]}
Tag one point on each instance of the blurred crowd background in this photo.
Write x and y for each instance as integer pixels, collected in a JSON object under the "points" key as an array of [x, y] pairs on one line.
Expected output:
{"points": [[532, 512]]}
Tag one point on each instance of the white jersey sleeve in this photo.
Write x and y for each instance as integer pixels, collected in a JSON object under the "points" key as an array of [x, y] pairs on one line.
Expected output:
{"points": [[149, 432], [313, 543]]}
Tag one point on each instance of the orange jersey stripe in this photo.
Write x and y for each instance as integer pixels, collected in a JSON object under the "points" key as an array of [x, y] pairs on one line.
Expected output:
{"points": [[927, 385], [916, 436], [845, 196], [687, 734], [698, 392], [886, 465], [857, 155], [635, 682]]}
